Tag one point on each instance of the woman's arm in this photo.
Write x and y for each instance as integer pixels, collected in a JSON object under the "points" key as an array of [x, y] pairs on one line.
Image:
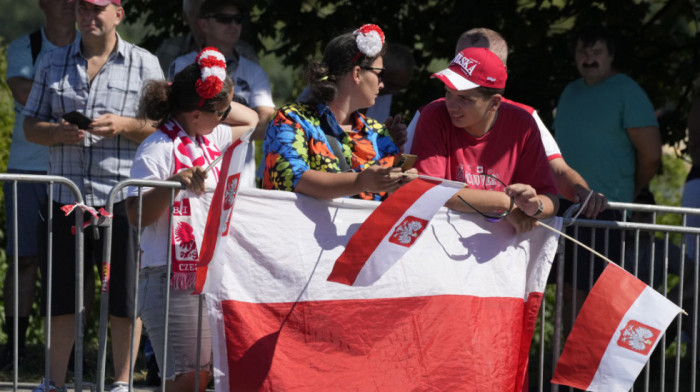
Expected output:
{"points": [[324, 185], [241, 119]]}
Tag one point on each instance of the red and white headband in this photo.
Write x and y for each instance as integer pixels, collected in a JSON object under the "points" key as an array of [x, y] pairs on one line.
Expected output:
{"points": [[212, 65], [369, 39]]}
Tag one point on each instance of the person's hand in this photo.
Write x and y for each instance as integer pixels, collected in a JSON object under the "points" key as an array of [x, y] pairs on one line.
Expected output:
{"points": [[520, 221], [408, 176], [68, 133], [397, 130], [525, 197], [192, 178], [108, 125], [596, 204], [377, 179]]}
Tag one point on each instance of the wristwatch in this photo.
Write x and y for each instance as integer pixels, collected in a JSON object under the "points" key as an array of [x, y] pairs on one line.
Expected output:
{"points": [[539, 209]]}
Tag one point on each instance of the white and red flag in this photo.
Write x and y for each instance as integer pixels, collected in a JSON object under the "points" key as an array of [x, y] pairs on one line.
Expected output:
{"points": [[391, 230], [619, 326], [455, 312], [217, 225]]}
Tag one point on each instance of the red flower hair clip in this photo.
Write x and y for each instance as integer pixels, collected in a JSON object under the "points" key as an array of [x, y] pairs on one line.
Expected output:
{"points": [[369, 39], [212, 65]]}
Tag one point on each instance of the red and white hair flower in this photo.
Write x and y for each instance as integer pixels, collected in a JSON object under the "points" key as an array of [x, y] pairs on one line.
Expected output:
{"points": [[212, 65], [370, 39]]}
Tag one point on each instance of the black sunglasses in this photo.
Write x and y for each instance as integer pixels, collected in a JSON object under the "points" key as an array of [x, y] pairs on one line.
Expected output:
{"points": [[225, 18], [222, 115], [380, 75], [491, 217]]}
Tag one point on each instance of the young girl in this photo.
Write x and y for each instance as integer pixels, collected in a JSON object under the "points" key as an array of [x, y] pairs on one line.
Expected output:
{"points": [[197, 121]]}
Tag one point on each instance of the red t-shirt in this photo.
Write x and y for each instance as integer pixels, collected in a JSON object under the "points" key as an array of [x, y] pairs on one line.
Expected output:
{"points": [[511, 151]]}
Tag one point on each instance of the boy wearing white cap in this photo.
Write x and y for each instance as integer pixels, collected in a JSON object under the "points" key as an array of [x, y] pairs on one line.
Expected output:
{"points": [[472, 136]]}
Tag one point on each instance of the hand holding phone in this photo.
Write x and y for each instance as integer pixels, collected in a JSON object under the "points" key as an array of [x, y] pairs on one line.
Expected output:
{"points": [[82, 121], [405, 161]]}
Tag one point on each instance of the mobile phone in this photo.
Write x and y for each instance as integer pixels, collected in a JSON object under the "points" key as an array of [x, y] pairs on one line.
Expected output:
{"points": [[79, 119], [405, 161]]}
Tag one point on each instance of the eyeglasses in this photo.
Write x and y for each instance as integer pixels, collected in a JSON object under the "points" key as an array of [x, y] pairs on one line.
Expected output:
{"points": [[380, 75], [226, 19], [222, 115], [491, 217]]}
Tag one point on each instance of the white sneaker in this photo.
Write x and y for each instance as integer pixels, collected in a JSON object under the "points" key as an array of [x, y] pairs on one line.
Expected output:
{"points": [[119, 386]]}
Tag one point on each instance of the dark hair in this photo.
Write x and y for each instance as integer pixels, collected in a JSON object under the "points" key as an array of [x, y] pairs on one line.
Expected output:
{"points": [[590, 34], [340, 57], [211, 7], [160, 99]]}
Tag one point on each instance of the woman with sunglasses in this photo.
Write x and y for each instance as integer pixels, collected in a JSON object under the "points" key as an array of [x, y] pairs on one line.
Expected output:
{"points": [[327, 148], [197, 122]]}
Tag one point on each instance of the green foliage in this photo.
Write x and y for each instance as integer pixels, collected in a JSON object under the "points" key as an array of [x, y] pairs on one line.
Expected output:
{"points": [[667, 188], [658, 41], [7, 116], [18, 18], [7, 119]]}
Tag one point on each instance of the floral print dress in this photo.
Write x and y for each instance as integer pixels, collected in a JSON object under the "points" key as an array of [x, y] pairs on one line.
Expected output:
{"points": [[295, 142]]}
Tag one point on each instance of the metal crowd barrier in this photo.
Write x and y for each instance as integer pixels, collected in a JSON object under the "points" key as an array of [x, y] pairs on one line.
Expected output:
{"points": [[79, 305], [646, 250], [102, 348]]}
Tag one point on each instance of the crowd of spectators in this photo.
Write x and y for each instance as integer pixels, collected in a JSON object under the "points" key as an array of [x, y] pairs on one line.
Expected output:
{"points": [[339, 140]]}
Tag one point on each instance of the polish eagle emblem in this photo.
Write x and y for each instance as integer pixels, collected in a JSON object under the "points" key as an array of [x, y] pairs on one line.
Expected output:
{"points": [[638, 337], [408, 231]]}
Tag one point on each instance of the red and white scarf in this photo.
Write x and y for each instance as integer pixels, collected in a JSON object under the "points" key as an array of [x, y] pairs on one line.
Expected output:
{"points": [[187, 153]]}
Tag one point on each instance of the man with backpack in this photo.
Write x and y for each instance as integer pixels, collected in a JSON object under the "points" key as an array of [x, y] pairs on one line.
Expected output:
{"points": [[28, 158]]}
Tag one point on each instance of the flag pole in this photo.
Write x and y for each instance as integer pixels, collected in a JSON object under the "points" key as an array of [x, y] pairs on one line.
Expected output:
{"points": [[579, 243], [214, 162], [413, 176]]}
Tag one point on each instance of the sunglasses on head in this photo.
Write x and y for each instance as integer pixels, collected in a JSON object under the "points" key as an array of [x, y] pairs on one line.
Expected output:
{"points": [[225, 18]]}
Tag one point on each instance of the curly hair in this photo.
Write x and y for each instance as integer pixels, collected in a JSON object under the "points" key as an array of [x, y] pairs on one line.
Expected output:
{"points": [[160, 99]]}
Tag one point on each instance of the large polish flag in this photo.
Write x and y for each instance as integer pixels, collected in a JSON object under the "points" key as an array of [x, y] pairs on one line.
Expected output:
{"points": [[619, 326], [455, 313], [391, 230]]}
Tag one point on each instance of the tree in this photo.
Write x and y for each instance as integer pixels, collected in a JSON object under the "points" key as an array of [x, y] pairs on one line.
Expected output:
{"points": [[658, 41]]}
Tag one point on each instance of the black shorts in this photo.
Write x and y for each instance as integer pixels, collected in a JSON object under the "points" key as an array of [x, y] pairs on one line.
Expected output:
{"points": [[123, 267]]}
